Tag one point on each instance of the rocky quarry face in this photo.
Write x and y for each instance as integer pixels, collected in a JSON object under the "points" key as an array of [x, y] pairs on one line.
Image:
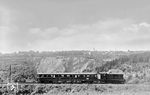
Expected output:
{"points": [[68, 64]]}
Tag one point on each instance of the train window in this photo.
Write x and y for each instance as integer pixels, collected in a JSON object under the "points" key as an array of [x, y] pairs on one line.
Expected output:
{"points": [[115, 76], [81, 75], [99, 76], [68, 75], [109, 76], [75, 76], [88, 75], [49, 75], [91, 75], [40, 75], [45, 75]]}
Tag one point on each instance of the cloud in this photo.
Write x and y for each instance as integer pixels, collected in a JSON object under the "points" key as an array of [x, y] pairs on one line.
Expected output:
{"points": [[111, 34]]}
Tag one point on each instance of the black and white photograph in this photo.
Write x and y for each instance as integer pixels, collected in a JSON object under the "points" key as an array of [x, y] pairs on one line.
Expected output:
{"points": [[74, 47]]}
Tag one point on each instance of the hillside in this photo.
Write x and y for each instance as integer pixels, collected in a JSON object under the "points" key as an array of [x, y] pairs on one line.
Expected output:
{"points": [[25, 65]]}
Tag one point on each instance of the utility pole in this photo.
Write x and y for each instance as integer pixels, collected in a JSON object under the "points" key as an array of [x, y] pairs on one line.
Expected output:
{"points": [[10, 74], [11, 86]]}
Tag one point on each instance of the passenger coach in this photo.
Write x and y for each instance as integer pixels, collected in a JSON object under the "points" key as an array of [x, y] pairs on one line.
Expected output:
{"points": [[67, 78], [78, 78]]}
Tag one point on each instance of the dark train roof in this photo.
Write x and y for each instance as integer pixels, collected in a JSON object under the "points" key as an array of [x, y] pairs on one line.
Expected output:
{"points": [[67, 73], [80, 73]]}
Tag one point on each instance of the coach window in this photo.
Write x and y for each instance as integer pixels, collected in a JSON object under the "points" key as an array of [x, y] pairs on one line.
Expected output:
{"points": [[75, 76], [40, 75], [94, 75], [115, 76], [56, 75], [47, 75], [99, 76], [68, 75], [44, 75]]}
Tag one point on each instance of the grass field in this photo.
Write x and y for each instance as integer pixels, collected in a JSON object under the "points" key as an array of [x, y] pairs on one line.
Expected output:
{"points": [[94, 89], [86, 89]]}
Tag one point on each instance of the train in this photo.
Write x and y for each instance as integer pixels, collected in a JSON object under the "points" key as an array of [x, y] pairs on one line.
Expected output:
{"points": [[80, 78]]}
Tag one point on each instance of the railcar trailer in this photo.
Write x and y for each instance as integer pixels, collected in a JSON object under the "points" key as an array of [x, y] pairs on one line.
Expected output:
{"points": [[79, 78]]}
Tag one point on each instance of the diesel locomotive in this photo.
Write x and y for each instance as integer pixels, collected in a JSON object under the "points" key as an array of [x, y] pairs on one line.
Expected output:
{"points": [[80, 78]]}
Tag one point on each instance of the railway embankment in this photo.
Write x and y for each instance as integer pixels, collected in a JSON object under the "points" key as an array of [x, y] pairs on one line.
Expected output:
{"points": [[81, 89]]}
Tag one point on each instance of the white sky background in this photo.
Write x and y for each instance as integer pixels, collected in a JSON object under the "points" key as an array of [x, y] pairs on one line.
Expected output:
{"points": [[47, 25]]}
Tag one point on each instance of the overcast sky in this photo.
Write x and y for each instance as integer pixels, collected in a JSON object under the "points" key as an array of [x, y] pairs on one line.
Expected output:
{"points": [[47, 25]]}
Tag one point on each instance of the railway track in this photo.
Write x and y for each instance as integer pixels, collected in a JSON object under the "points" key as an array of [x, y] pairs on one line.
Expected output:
{"points": [[33, 83]]}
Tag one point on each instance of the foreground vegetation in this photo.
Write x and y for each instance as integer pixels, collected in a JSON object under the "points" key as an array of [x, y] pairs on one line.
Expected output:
{"points": [[23, 67], [82, 89]]}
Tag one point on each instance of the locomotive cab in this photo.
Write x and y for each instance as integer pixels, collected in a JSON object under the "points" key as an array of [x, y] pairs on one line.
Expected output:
{"points": [[107, 77]]}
